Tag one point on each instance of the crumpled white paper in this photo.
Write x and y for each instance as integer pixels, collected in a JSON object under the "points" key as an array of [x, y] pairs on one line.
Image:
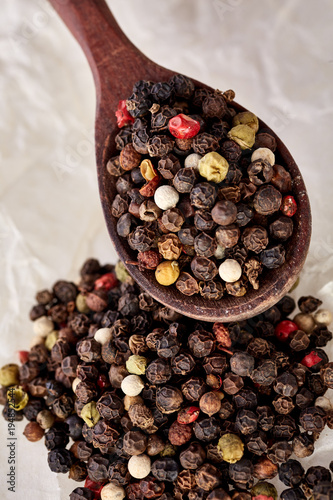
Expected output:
{"points": [[277, 56]]}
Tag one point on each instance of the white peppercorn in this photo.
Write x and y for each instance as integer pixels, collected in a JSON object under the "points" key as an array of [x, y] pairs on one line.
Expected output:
{"points": [[323, 317], [103, 335], [166, 197], [263, 154], [139, 466], [132, 385], [230, 270], [111, 491], [42, 326], [192, 160]]}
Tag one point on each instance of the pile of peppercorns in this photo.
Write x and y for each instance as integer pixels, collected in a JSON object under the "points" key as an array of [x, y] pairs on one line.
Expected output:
{"points": [[200, 195], [141, 402]]}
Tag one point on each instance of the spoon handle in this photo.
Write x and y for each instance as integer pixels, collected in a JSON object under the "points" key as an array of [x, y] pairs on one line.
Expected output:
{"points": [[110, 54]]}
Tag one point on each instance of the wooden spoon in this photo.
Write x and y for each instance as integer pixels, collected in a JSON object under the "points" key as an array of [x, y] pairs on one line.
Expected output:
{"points": [[116, 65]]}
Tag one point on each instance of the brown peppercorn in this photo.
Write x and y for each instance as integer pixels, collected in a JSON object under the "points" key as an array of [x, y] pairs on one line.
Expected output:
{"points": [[211, 290], [210, 403], [173, 219], [204, 143], [201, 343], [267, 200], [78, 471], [185, 179], [81, 450], [255, 238], [179, 434], [104, 436], [204, 269], [155, 445], [114, 168], [228, 236], [280, 452], [135, 442], [281, 179], [149, 211], [186, 284], [260, 172], [158, 371], [265, 373], [168, 166], [230, 193], [89, 350], [169, 246], [205, 245], [313, 419], [326, 373], [193, 457], [193, 388], [117, 373], [214, 106], [282, 228], [203, 195], [168, 399], [264, 468], [33, 431], [119, 205], [160, 145], [283, 404], [182, 364], [110, 406], [141, 416], [232, 383], [208, 477], [303, 445], [224, 213]]}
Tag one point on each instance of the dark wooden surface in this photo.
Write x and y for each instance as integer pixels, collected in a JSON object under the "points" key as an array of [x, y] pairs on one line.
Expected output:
{"points": [[116, 64]]}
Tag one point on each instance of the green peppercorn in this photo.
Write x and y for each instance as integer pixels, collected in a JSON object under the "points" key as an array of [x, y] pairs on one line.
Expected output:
{"points": [[264, 490], [243, 135], [136, 364], [90, 414], [17, 398], [231, 447], [51, 339], [81, 304], [246, 118], [9, 375], [213, 167], [121, 272]]}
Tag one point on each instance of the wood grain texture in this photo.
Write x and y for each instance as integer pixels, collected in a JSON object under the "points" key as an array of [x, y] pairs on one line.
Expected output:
{"points": [[116, 65]]}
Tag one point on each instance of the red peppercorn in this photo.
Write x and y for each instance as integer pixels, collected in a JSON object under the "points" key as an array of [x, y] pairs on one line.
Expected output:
{"points": [[262, 497], [106, 282], [149, 189], [284, 329], [123, 116], [311, 359], [183, 127], [288, 206], [188, 415], [23, 356], [96, 488], [149, 259], [102, 381]]}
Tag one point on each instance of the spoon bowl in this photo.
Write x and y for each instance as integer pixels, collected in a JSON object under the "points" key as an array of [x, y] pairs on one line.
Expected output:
{"points": [[116, 65]]}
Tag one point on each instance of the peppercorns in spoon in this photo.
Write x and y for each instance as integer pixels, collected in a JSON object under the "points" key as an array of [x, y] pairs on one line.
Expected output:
{"points": [[203, 202]]}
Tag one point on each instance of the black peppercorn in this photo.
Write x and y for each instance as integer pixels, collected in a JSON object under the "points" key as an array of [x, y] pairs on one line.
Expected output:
{"points": [[60, 460]]}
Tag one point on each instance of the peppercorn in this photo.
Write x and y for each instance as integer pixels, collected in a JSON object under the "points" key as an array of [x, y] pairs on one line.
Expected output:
{"points": [[243, 135], [207, 477], [165, 469], [317, 474], [231, 448], [81, 494], [60, 460], [33, 431], [232, 383], [264, 468], [291, 473], [210, 403], [263, 490]]}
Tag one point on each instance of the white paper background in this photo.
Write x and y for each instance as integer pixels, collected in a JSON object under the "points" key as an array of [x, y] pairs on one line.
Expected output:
{"points": [[278, 58]]}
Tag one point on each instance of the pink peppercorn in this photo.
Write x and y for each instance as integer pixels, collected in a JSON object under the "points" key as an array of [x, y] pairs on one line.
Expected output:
{"points": [[288, 206], [311, 359], [106, 282], [123, 116], [284, 329], [183, 127]]}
